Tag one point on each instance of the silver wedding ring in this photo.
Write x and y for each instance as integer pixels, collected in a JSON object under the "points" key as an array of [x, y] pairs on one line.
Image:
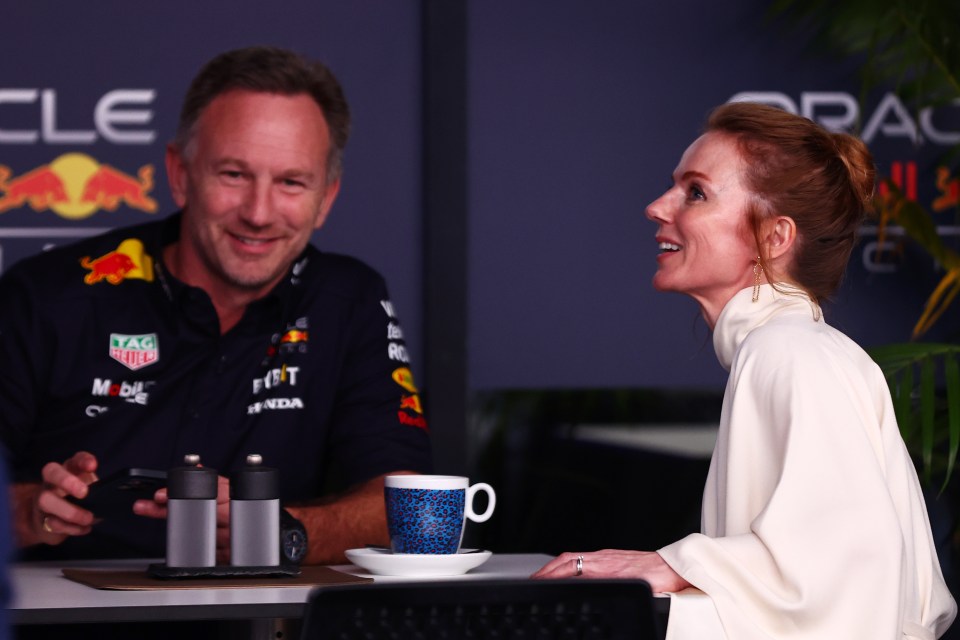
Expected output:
{"points": [[579, 565], [46, 524]]}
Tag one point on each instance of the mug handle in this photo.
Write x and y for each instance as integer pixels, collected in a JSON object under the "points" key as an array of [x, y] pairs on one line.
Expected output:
{"points": [[483, 517]]}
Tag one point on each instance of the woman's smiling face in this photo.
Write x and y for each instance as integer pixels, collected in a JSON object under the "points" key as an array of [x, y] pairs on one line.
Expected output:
{"points": [[707, 249]]}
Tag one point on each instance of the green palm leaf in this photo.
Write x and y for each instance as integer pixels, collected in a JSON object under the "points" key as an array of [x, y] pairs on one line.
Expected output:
{"points": [[927, 410], [912, 47], [952, 374], [922, 421]]}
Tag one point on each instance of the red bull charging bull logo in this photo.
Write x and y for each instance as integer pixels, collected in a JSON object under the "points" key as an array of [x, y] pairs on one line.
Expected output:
{"points": [[412, 403], [75, 186], [294, 335], [404, 377], [129, 262]]}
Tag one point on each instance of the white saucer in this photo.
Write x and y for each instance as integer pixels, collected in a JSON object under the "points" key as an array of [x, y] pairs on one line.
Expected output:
{"points": [[385, 563]]}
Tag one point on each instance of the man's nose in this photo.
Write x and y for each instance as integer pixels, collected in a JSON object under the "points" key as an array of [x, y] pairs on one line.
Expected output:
{"points": [[257, 209]]}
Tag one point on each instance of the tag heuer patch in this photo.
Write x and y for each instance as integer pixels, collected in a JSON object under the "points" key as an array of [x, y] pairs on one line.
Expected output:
{"points": [[134, 352]]}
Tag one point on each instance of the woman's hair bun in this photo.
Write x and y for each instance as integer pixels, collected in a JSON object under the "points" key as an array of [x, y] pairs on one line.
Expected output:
{"points": [[860, 168]]}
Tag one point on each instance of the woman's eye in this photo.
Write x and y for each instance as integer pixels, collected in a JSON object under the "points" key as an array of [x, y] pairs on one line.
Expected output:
{"points": [[696, 193]]}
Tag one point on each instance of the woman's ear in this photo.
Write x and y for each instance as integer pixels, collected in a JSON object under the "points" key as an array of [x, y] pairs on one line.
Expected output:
{"points": [[779, 236]]}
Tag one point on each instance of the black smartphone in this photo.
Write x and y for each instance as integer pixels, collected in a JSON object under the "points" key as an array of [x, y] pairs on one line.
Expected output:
{"points": [[114, 495]]}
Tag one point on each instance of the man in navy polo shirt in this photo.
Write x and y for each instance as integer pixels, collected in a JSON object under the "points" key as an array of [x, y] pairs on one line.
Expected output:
{"points": [[219, 331]]}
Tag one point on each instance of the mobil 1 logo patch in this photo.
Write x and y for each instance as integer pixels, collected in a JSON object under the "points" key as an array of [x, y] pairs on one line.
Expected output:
{"points": [[134, 351]]}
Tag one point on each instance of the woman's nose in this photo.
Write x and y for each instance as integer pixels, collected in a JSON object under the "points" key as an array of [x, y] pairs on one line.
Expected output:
{"points": [[657, 210]]}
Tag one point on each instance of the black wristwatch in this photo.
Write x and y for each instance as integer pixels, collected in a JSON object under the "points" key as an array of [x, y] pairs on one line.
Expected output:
{"points": [[293, 539]]}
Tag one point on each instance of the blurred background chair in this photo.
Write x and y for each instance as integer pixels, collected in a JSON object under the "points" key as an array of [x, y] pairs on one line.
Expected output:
{"points": [[515, 609]]}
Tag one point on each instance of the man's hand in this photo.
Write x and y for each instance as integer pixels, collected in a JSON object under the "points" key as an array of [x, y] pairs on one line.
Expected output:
{"points": [[42, 514], [354, 519], [157, 508]]}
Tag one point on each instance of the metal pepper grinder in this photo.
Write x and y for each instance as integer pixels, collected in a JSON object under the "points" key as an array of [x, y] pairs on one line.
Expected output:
{"points": [[255, 515], [192, 515]]}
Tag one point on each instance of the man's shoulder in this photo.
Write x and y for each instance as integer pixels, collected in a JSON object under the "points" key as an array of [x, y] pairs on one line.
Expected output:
{"points": [[337, 273], [111, 256]]}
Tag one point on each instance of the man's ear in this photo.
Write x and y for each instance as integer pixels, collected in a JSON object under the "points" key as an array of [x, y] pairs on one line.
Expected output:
{"points": [[176, 175], [779, 236]]}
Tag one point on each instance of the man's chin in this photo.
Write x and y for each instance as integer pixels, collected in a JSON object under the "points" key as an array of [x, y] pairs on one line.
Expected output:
{"points": [[253, 281], [251, 275]]}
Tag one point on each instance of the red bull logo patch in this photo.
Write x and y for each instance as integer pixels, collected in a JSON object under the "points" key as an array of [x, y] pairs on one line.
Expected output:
{"points": [[75, 186], [293, 336], [130, 261], [295, 339], [412, 403], [411, 409], [134, 351]]}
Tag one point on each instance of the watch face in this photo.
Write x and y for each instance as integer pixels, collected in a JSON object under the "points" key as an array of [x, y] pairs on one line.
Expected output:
{"points": [[294, 545]]}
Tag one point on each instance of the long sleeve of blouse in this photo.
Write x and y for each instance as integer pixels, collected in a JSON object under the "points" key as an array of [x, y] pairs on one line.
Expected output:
{"points": [[814, 525]]}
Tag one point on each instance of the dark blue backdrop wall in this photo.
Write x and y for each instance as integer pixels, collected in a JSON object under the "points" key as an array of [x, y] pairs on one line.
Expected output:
{"points": [[579, 111], [574, 115]]}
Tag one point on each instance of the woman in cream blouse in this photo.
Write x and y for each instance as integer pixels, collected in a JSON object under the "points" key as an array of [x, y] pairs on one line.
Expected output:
{"points": [[814, 526]]}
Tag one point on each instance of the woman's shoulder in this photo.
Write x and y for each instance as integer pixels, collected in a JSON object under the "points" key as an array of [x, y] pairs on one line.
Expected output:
{"points": [[786, 332], [802, 342]]}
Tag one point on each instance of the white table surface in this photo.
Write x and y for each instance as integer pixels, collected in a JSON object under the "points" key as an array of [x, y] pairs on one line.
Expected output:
{"points": [[42, 595], [693, 440]]}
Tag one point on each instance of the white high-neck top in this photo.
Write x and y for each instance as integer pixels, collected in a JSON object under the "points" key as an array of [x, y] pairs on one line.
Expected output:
{"points": [[814, 525]]}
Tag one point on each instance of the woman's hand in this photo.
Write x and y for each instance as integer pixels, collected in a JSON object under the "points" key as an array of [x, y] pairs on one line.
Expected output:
{"points": [[616, 563]]}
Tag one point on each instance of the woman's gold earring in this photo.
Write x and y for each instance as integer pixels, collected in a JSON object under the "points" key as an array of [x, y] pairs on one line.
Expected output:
{"points": [[757, 272]]}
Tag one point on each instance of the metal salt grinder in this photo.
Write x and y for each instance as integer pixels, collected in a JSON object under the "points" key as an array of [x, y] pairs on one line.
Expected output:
{"points": [[255, 515], [192, 515]]}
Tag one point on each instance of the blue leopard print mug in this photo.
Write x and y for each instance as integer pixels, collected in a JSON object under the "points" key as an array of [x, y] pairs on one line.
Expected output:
{"points": [[426, 514]]}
